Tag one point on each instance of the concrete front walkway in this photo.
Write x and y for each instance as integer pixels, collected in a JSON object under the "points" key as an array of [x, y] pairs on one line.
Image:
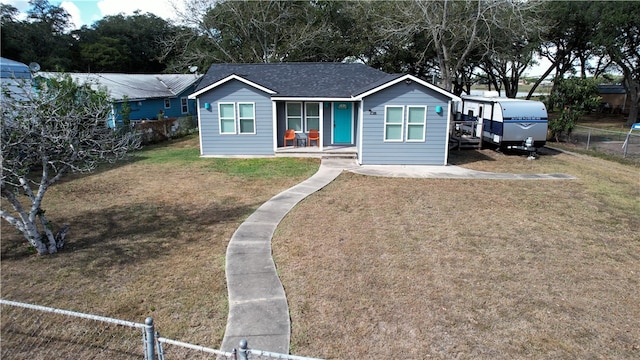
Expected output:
{"points": [[258, 309]]}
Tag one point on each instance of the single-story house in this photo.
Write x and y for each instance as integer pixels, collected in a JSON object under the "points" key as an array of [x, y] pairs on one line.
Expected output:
{"points": [[245, 110], [614, 98], [148, 95]]}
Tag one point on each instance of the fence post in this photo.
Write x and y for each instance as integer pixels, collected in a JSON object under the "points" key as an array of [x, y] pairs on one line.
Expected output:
{"points": [[625, 146], [149, 339], [244, 348], [588, 139]]}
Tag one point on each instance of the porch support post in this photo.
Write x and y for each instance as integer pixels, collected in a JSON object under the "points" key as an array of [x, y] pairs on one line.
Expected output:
{"points": [[274, 113], [358, 136]]}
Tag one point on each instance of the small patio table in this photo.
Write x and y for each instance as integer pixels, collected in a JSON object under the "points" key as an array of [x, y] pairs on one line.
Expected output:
{"points": [[301, 139]]}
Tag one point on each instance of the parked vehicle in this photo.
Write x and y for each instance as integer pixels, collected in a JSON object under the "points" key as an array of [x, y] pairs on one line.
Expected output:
{"points": [[508, 123]]}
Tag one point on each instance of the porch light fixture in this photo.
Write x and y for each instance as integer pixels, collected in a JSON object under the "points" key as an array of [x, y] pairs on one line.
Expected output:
{"points": [[439, 110], [207, 106], [371, 112]]}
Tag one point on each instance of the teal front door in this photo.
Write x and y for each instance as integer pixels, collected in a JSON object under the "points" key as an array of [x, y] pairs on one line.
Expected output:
{"points": [[342, 123]]}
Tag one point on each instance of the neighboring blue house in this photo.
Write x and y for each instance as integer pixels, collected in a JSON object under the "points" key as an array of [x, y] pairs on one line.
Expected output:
{"points": [[14, 75], [147, 94], [245, 109]]}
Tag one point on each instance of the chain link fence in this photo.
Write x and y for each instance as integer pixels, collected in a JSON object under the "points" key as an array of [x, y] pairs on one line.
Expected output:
{"points": [[623, 144], [37, 332]]}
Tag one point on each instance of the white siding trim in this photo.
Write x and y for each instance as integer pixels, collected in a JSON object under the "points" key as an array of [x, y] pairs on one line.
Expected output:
{"points": [[410, 78], [199, 125], [360, 136], [274, 115], [229, 78], [446, 142]]}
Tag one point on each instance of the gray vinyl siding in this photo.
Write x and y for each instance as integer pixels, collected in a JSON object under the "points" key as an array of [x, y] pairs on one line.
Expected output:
{"points": [[214, 143], [430, 152]]}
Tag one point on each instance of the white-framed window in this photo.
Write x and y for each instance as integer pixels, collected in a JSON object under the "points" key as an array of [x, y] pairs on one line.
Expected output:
{"points": [[312, 116], [246, 118], [405, 123], [237, 118], [167, 103], [184, 105], [416, 122], [294, 116], [393, 122], [227, 118]]}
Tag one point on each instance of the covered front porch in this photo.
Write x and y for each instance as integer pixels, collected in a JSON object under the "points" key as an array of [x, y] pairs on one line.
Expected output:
{"points": [[334, 123]]}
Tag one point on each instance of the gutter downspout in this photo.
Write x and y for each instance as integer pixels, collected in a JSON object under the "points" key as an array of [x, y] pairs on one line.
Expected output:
{"points": [[359, 137]]}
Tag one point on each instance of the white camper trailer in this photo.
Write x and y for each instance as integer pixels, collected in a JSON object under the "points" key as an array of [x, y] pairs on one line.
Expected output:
{"points": [[507, 123]]}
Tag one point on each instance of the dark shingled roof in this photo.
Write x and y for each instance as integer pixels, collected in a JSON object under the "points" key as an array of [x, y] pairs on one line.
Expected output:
{"points": [[334, 80], [611, 89]]}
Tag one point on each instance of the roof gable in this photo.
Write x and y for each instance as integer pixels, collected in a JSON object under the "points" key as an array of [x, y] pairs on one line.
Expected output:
{"points": [[326, 80], [394, 79], [227, 79]]}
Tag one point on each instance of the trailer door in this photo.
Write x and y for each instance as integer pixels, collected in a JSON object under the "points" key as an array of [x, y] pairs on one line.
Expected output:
{"points": [[480, 120]]}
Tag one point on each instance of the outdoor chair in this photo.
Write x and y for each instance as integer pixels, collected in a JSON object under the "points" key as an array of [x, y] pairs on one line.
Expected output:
{"points": [[313, 135], [290, 135]]}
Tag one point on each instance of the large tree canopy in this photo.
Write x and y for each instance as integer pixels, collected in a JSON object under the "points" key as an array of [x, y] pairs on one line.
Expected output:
{"points": [[46, 134], [128, 44], [619, 35], [452, 41], [43, 37]]}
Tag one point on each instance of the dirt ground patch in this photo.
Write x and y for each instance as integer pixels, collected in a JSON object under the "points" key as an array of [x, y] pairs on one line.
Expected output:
{"points": [[474, 269]]}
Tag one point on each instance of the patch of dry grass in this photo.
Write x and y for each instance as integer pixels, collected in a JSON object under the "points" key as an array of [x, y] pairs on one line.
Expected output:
{"points": [[147, 238], [373, 267], [424, 268]]}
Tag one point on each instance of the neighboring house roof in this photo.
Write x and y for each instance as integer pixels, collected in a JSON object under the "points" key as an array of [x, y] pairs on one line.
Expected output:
{"points": [[10, 69], [137, 86], [298, 80], [611, 89]]}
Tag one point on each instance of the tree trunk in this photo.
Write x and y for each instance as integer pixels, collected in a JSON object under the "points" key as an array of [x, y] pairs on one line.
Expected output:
{"points": [[540, 80], [633, 89], [34, 237]]}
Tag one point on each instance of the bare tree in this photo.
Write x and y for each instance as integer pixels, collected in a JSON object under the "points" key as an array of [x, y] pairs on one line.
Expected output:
{"points": [[458, 30], [510, 47], [46, 134]]}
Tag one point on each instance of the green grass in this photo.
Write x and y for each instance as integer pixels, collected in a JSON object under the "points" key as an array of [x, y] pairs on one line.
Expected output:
{"points": [[264, 168]]}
